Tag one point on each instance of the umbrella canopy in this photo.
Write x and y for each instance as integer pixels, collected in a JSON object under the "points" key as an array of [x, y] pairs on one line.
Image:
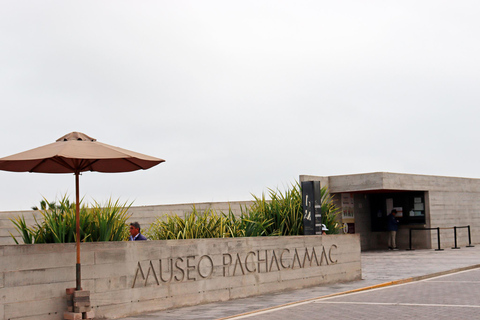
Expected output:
{"points": [[77, 152], [74, 153]]}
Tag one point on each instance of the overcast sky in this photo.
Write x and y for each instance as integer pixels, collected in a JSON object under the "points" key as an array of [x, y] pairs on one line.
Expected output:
{"points": [[239, 96]]}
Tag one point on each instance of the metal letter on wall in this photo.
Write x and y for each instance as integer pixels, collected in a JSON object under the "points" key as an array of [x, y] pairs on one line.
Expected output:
{"points": [[312, 207]]}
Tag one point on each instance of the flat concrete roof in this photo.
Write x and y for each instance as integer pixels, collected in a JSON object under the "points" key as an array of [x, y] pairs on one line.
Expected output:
{"points": [[388, 181]]}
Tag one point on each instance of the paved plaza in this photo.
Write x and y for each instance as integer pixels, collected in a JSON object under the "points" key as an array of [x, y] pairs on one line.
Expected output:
{"points": [[421, 284], [453, 296]]}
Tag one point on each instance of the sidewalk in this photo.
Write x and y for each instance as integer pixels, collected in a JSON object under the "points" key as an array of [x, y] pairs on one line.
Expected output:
{"points": [[378, 268]]}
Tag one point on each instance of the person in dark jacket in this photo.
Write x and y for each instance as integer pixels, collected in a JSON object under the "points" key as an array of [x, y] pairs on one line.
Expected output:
{"points": [[392, 227], [135, 234]]}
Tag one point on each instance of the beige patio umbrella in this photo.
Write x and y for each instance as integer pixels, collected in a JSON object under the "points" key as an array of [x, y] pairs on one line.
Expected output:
{"points": [[74, 153]]}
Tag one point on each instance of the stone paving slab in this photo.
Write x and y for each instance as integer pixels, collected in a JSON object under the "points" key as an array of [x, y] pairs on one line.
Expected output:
{"points": [[447, 297], [378, 268]]}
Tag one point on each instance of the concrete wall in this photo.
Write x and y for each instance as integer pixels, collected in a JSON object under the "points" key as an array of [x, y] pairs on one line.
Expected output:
{"points": [[145, 215], [126, 278], [455, 208]]}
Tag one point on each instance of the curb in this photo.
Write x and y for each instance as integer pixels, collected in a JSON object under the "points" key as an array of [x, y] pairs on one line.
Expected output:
{"points": [[381, 285]]}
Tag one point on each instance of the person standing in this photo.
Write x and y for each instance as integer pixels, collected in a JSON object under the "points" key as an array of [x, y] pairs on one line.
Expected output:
{"points": [[135, 234], [392, 227]]}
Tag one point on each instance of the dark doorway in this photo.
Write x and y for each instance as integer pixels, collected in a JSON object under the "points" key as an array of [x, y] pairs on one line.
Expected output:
{"points": [[410, 207]]}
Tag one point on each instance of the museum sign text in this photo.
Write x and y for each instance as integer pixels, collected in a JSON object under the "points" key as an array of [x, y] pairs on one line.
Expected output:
{"points": [[196, 267]]}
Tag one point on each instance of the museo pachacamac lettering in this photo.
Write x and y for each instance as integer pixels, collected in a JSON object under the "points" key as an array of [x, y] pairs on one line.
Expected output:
{"points": [[193, 268]]}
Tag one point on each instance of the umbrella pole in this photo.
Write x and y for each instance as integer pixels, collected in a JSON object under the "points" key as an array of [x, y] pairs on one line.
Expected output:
{"points": [[77, 217]]}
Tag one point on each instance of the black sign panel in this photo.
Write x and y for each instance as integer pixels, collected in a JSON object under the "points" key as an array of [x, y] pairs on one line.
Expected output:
{"points": [[312, 208]]}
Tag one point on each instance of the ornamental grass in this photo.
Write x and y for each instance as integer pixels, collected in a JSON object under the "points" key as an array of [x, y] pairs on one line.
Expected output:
{"points": [[279, 215], [57, 223], [275, 214]]}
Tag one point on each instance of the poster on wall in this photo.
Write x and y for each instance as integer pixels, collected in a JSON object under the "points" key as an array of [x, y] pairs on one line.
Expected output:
{"points": [[347, 206], [348, 216], [389, 204]]}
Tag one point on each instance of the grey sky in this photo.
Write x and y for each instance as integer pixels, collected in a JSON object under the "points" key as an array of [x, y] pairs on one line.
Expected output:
{"points": [[239, 96]]}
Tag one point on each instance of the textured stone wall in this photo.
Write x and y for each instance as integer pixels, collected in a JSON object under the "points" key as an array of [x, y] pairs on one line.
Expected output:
{"points": [[126, 278], [455, 208]]}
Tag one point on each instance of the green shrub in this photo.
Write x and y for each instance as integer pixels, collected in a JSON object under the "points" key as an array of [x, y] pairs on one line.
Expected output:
{"points": [[250, 223], [108, 222], [58, 225], [281, 215], [28, 234], [206, 224], [284, 210]]}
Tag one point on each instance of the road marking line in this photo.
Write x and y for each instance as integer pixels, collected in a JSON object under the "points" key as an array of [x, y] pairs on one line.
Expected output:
{"points": [[355, 291], [455, 281], [401, 304]]}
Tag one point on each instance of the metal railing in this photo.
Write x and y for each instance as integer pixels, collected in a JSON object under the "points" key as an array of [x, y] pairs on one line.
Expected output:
{"points": [[438, 236], [469, 236]]}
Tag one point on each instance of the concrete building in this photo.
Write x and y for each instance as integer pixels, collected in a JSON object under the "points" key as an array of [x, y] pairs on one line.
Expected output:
{"points": [[421, 201]]}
